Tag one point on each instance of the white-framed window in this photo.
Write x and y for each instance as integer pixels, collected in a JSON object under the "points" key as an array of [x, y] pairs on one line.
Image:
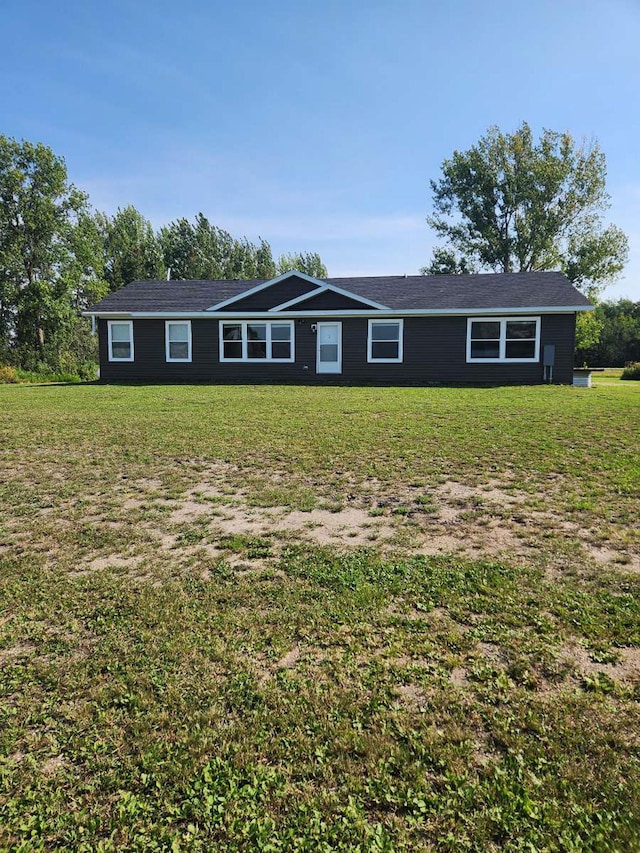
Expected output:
{"points": [[262, 340], [384, 341], [503, 339], [177, 336], [120, 335]]}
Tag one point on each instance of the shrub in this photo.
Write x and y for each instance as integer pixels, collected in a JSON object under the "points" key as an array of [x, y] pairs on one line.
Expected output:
{"points": [[7, 375], [631, 371], [45, 375]]}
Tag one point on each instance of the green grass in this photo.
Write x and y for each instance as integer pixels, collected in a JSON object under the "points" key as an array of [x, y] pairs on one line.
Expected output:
{"points": [[171, 683], [607, 376]]}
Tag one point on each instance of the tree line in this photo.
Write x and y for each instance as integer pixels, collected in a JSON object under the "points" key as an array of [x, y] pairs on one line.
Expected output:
{"points": [[58, 257]]}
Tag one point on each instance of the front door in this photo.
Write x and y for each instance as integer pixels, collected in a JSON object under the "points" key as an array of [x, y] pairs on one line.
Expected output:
{"points": [[329, 355]]}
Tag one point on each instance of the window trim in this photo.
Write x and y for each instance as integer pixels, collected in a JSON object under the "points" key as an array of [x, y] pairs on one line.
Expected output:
{"points": [[243, 324], [110, 324], [167, 350], [502, 359], [386, 322]]}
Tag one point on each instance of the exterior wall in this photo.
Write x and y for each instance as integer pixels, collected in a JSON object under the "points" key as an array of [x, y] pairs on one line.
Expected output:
{"points": [[274, 295], [434, 351]]}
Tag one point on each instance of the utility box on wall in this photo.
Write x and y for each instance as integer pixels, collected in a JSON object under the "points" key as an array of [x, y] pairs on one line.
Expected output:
{"points": [[548, 362]]}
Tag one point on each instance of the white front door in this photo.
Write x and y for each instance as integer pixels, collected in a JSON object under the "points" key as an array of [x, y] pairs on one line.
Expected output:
{"points": [[329, 355]]}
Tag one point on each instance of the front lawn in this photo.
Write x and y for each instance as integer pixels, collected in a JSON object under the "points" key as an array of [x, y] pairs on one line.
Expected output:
{"points": [[254, 618]]}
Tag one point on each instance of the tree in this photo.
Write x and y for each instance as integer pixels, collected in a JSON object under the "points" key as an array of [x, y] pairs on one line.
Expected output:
{"points": [[511, 204], [446, 262], [131, 250], [619, 340], [43, 252], [309, 263], [201, 250]]}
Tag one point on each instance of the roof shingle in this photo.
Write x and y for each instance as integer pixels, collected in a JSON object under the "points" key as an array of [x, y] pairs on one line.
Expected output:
{"points": [[487, 291]]}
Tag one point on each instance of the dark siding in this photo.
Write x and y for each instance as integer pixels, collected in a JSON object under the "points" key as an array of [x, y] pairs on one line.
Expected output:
{"points": [[331, 301], [434, 351], [149, 350], [278, 293]]}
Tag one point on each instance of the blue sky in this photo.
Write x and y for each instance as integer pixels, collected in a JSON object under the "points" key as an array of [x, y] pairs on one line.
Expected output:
{"points": [[316, 125]]}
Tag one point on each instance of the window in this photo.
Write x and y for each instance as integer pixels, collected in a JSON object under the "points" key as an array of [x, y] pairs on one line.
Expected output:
{"points": [[260, 341], [503, 339], [120, 334], [385, 340], [178, 340]]}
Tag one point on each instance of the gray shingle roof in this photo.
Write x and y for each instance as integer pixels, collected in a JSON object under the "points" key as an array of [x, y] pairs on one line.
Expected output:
{"points": [[418, 292]]}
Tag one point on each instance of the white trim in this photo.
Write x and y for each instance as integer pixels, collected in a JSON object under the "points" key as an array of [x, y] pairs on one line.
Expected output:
{"points": [[389, 312], [328, 287], [111, 323], [180, 322], [258, 287], [268, 323], [386, 321], [337, 323], [503, 339]]}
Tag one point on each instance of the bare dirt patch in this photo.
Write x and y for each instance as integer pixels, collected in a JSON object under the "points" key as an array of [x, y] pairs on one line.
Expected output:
{"points": [[458, 676], [187, 510], [116, 561], [267, 670], [20, 650], [619, 559], [494, 518], [500, 517], [350, 526], [52, 765], [492, 652], [289, 659], [626, 668], [411, 696]]}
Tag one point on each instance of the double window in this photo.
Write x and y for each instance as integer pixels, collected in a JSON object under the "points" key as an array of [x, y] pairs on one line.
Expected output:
{"points": [[384, 342], [503, 339], [120, 340], [177, 338], [259, 341]]}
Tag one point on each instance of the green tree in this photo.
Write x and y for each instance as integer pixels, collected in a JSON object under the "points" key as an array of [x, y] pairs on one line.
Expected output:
{"points": [[44, 259], [131, 250], [85, 272], [201, 250], [309, 263], [447, 262], [619, 340], [588, 329], [512, 204]]}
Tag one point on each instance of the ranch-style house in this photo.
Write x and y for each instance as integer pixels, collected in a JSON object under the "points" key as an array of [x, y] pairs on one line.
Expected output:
{"points": [[506, 328]]}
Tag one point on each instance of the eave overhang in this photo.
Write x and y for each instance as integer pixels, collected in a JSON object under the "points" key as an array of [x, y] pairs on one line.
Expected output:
{"points": [[376, 312]]}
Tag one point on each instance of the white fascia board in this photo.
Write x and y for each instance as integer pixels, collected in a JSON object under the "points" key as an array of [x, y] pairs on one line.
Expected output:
{"points": [[333, 289], [317, 281], [386, 312]]}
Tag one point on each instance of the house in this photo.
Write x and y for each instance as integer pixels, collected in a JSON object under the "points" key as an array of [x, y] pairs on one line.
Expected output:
{"points": [[507, 328]]}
